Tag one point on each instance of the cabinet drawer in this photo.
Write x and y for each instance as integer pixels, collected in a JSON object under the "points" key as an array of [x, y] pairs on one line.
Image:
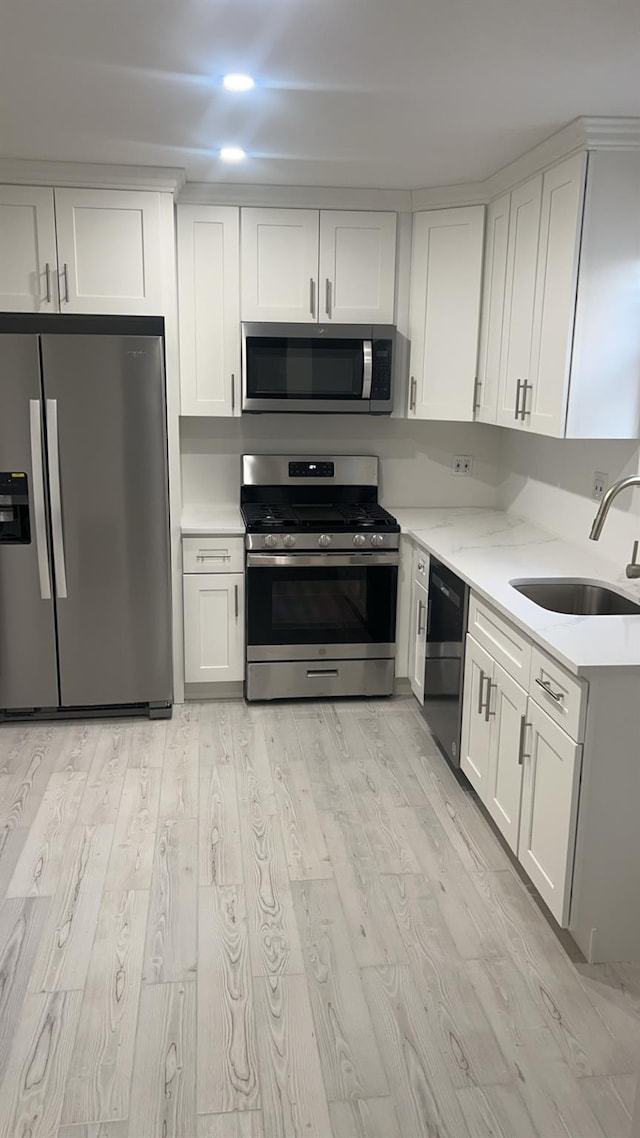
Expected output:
{"points": [[421, 566], [213, 555], [561, 695], [504, 642]]}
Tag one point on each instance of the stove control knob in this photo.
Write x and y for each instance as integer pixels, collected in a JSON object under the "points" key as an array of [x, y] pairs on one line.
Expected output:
{"points": [[289, 540], [324, 540], [377, 539], [359, 539], [271, 541]]}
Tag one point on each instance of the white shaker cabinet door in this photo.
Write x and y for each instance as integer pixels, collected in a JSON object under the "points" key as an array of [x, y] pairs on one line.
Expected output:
{"points": [[418, 641], [213, 627], [517, 333], [556, 291], [476, 720], [549, 806], [492, 318], [279, 267], [27, 250], [109, 252], [357, 267], [446, 273], [209, 300], [508, 709]]}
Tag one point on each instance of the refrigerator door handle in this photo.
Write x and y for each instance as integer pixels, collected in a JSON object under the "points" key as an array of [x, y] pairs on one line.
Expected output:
{"points": [[37, 490], [56, 498]]}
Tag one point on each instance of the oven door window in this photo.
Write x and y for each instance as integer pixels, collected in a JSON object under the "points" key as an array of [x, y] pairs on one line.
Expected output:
{"points": [[304, 368], [322, 606]]}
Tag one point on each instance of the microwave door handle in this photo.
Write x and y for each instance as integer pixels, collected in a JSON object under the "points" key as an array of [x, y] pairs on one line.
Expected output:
{"points": [[367, 370]]}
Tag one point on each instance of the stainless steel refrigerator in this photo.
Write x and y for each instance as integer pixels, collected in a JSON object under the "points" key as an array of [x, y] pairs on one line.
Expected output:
{"points": [[85, 609]]}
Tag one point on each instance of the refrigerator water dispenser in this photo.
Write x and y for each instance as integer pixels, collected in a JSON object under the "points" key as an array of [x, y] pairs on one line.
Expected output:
{"points": [[14, 509]]}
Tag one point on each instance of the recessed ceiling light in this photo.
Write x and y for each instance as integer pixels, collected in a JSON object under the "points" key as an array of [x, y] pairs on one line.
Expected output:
{"points": [[237, 82], [232, 154]]}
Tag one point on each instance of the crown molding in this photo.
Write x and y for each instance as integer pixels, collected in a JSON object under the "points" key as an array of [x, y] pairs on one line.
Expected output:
{"points": [[586, 133], [91, 175], [292, 197]]}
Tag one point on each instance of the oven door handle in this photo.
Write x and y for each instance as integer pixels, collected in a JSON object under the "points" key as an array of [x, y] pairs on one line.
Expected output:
{"points": [[320, 561], [367, 368]]}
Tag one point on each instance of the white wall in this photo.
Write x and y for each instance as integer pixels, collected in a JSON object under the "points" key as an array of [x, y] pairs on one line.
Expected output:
{"points": [[415, 457], [550, 481]]}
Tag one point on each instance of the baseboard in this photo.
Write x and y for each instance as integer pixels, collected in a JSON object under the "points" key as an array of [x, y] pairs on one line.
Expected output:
{"points": [[227, 689], [402, 686]]}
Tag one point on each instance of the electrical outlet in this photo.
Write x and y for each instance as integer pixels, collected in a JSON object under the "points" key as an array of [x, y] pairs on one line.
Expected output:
{"points": [[600, 481], [462, 464]]}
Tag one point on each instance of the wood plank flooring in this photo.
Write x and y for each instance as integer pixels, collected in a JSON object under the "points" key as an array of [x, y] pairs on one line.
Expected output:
{"points": [[284, 922]]}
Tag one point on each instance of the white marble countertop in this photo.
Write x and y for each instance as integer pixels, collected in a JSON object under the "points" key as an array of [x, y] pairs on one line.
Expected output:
{"points": [[224, 520], [489, 548]]}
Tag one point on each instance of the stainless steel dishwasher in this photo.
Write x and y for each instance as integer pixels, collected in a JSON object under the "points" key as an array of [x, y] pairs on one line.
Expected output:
{"points": [[444, 667]]}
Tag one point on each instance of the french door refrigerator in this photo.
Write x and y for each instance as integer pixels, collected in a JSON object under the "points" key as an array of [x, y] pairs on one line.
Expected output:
{"points": [[85, 610]]}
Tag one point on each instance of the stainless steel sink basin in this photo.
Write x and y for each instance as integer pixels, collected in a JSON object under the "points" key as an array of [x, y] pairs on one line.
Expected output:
{"points": [[578, 598]]}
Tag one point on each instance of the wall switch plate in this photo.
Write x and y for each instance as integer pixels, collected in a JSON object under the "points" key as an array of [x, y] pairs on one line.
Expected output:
{"points": [[462, 464], [600, 481]]}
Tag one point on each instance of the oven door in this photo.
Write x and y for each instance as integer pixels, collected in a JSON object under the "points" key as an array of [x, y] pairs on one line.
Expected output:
{"points": [[314, 607], [295, 368]]}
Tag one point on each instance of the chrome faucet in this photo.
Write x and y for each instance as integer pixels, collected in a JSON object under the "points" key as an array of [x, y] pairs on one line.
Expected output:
{"points": [[633, 568]]}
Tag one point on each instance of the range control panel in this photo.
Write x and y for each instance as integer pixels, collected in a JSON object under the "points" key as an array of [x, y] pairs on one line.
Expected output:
{"points": [[311, 470]]}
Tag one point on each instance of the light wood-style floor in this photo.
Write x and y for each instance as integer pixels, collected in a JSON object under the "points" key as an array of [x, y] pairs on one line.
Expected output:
{"points": [[271, 922]]}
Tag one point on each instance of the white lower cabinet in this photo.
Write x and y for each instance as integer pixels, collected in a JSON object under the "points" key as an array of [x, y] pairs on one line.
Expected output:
{"points": [[213, 627], [508, 707], [418, 627], [479, 668], [549, 808], [524, 767]]}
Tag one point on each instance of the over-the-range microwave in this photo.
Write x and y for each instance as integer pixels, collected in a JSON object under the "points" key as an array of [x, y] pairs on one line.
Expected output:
{"points": [[320, 368]]}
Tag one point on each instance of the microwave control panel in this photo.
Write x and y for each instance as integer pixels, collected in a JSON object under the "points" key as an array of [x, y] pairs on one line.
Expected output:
{"points": [[381, 377]]}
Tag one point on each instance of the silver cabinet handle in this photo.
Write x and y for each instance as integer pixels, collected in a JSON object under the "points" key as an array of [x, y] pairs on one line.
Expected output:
{"points": [[235, 593], [47, 273], [56, 498], [37, 491], [421, 567], [327, 297], [213, 556], [525, 388], [546, 686], [422, 609], [487, 707], [312, 296], [233, 393], [65, 275], [523, 731], [480, 699], [518, 390], [318, 673], [477, 384], [412, 394]]}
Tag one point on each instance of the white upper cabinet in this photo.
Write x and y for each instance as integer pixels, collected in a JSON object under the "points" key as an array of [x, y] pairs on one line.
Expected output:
{"points": [[570, 332], [280, 265], [493, 293], [109, 251], [357, 267], [520, 288], [209, 300], [27, 250], [557, 276], [306, 266], [446, 272]]}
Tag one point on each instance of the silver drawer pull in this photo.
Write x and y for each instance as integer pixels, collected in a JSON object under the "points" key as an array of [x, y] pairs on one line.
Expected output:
{"points": [[546, 686], [213, 557], [319, 673]]}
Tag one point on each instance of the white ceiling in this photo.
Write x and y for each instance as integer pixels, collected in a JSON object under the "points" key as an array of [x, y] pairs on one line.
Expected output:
{"points": [[379, 93]]}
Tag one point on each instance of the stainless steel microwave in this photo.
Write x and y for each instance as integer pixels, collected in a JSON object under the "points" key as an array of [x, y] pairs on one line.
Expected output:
{"points": [[319, 368]]}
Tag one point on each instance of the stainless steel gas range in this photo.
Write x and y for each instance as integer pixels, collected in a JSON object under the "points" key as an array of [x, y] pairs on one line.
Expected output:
{"points": [[322, 575]]}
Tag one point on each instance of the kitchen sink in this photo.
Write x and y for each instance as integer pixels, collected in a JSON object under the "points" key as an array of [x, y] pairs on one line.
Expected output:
{"points": [[578, 598]]}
